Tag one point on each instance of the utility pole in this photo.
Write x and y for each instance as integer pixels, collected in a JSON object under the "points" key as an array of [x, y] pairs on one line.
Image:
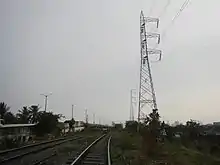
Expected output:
{"points": [[72, 110], [45, 102], [146, 88], [132, 103], [86, 116], [93, 118]]}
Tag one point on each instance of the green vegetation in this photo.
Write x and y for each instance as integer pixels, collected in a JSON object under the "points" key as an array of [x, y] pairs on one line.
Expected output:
{"points": [[6, 114], [175, 153], [137, 144], [131, 126], [118, 126], [125, 148], [47, 122], [158, 143], [193, 146], [71, 124]]}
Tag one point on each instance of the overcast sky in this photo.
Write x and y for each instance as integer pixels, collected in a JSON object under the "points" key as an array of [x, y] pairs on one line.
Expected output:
{"points": [[87, 53]]}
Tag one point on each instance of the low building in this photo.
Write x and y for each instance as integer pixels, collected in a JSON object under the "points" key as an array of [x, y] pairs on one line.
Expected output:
{"points": [[216, 123], [78, 126], [214, 130], [19, 132]]}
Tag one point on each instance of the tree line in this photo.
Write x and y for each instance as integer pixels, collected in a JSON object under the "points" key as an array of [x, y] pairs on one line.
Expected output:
{"points": [[192, 134], [46, 122]]}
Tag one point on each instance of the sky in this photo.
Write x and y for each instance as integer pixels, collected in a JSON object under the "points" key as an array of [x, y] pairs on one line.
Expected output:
{"points": [[87, 53]]}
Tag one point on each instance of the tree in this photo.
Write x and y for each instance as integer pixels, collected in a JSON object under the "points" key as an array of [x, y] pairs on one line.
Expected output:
{"points": [[151, 132], [71, 124], [10, 118], [24, 115], [4, 108], [34, 113], [131, 126], [153, 122], [119, 126], [47, 123], [192, 129]]}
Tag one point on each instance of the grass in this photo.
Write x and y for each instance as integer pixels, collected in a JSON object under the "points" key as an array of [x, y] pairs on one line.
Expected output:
{"points": [[126, 148], [176, 154]]}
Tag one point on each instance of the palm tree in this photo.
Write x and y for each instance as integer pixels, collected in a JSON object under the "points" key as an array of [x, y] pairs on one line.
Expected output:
{"points": [[24, 115], [34, 110], [48, 122], [4, 108], [10, 118]]}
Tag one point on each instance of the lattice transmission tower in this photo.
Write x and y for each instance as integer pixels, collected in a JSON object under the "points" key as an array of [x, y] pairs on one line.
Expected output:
{"points": [[132, 103], [146, 88]]}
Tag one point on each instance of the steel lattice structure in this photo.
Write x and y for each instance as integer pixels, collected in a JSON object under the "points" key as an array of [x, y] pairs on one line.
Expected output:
{"points": [[132, 103], [146, 88]]}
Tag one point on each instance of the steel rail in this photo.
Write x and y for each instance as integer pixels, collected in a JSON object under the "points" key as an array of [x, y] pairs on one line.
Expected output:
{"points": [[43, 160], [29, 146], [84, 152], [46, 158], [88, 156], [109, 151], [36, 150]]}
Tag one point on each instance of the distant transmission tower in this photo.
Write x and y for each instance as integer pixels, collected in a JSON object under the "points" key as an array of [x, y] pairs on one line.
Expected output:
{"points": [[86, 116], [132, 103], [93, 118], [146, 88]]}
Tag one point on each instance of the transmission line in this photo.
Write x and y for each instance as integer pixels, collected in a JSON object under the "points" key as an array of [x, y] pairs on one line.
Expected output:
{"points": [[152, 6], [184, 5], [163, 34], [165, 8]]}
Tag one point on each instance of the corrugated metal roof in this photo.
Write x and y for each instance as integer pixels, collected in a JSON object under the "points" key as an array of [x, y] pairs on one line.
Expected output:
{"points": [[16, 125]]}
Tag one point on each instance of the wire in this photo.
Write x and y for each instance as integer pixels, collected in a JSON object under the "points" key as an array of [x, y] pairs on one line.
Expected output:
{"points": [[163, 34], [184, 5], [163, 11], [152, 6], [165, 8]]}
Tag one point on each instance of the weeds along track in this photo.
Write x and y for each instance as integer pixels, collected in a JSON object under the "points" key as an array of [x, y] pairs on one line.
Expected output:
{"points": [[97, 153], [9, 155], [59, 156]]}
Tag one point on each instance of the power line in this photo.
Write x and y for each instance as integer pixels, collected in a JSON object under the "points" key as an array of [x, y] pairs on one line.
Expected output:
{"points": [[184, 5], [152, 6], [164, 32], [165, 8]]}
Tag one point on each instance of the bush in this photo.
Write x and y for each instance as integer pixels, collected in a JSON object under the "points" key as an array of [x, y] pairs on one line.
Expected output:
{"points": [[126, 142], [214, 149], [125, 148]]}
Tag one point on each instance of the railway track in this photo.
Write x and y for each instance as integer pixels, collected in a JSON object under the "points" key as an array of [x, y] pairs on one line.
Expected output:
{"points": [[9, 155], [46, 160], [97, 153], [42, 161]]}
